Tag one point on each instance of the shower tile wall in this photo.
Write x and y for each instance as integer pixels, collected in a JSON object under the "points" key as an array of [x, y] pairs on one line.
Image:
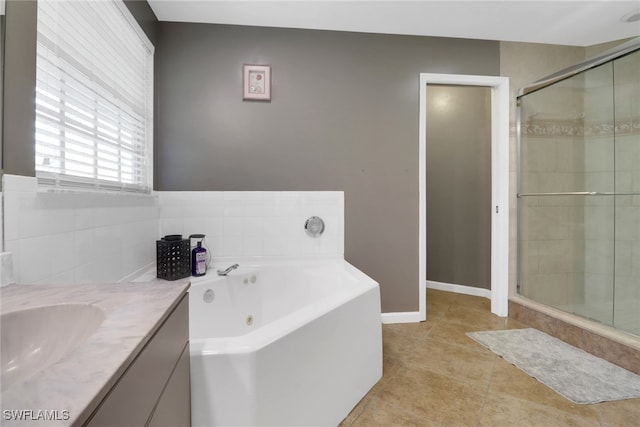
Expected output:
{"points": [[627, 179], [599, 211], [552, 153], [524, 63]]}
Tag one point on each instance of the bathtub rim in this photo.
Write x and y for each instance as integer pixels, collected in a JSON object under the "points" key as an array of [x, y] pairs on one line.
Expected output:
{"points": [[260, 261], [271, 332]]}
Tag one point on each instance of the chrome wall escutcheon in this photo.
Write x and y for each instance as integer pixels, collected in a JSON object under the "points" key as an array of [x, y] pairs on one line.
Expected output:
{"points": [[314, 226]]}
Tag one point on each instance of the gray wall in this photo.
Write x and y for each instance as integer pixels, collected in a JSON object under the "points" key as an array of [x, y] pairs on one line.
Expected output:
{"points": [[2, 25], [20, 80], [19, 88], [459, 185], [344, 116], [145, 17]]}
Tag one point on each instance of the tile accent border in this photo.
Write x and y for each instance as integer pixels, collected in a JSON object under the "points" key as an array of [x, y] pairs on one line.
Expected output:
{"points": [[551, 128], [613, 351]]}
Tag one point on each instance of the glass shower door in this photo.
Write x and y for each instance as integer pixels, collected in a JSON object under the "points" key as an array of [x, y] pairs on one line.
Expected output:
{"points": [[566, 203], [627, 216]]}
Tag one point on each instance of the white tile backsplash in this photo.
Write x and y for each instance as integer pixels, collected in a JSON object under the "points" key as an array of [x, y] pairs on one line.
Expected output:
{"points": [[256, 224], [77, 237], [83, 237], [35, 259], [19, 183], [6, 269], [1, 224]]}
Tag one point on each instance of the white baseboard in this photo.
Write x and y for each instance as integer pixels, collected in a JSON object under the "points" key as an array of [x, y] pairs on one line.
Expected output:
{"points": [[402, 317], [459, 289], [414, 316]]}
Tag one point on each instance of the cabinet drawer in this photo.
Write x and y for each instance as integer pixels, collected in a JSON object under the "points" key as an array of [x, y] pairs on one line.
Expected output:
{"points": [[174, 406]]}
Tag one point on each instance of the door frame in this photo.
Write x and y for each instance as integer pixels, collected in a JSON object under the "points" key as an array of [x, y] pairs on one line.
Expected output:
{"points": [[499, 184]]}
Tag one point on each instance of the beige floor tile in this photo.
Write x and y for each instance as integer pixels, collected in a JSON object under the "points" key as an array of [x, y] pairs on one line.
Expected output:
{"points": [[355, 412], [510, 380], [434, 375], [474, 317], [385, 415], [390, 364], [470, 301], [407, 330], [434, 295], [400, 340], [450, 360], [436, 310], [505, 411], [428, 396], [453, 333], [621, 413], [353, 415]]}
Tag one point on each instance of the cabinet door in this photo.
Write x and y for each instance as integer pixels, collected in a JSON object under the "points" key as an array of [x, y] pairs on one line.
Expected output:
{"points": [[174, 406], [132, 400]]}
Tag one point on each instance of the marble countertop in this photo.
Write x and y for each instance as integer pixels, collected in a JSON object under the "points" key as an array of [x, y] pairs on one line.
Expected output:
{"points": [[78, 382]]}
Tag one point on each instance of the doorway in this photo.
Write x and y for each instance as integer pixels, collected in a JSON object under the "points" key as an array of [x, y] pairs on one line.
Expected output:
{"points": [[499, 206], [459, 188]]}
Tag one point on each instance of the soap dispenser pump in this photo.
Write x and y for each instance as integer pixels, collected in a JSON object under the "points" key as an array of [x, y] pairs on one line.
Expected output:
{"points": [[198, 256]]}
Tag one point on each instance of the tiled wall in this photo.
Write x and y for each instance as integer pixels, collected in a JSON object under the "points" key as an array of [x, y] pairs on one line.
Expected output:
{"points": [[552, 243], [246, 224], [626, 298], [1, 227], [627, 210], [524, 63], [600, 222], [553, 160], [73, 237], [6, 264]]}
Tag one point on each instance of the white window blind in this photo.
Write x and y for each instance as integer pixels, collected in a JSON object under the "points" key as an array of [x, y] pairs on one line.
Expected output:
{"points": [[94, 97]]}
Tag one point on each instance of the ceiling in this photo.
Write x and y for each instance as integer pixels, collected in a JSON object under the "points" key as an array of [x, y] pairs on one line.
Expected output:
{"points": [[568, 22]]}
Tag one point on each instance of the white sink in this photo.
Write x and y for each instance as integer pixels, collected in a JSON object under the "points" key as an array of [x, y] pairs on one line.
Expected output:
{"points": [[36, 338]]}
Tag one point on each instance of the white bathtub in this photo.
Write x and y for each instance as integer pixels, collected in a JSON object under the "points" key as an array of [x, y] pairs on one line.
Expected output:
{"points": [[292, 344]]}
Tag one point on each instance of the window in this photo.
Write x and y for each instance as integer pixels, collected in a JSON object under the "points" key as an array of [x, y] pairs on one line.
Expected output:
{"points": [[94, 97]]}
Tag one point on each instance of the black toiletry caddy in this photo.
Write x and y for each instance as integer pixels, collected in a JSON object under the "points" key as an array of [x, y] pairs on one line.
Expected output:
{"points": [[173, 257]]}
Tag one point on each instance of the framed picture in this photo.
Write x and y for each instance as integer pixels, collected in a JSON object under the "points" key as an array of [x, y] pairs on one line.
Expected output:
{"points": [[256, 82]]}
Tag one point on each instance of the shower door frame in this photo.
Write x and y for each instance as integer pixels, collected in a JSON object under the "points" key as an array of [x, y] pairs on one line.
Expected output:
{"points": [[499, 184]]}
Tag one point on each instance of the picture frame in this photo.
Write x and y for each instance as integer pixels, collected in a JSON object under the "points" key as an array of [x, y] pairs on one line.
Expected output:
{"points": [[256, 82]]}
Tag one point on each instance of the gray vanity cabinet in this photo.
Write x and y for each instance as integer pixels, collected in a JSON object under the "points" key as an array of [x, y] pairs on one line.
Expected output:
{"points": [[155, 388], [174, 406]]}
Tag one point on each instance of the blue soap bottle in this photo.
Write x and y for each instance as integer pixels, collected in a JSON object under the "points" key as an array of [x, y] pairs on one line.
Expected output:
{"points": [[198, 256]]}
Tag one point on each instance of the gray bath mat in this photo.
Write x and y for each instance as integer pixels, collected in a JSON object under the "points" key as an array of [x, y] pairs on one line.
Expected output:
{"points": [[575, 374]]}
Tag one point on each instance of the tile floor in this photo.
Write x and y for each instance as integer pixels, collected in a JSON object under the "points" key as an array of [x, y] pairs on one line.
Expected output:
{"points": [[434, 375]]}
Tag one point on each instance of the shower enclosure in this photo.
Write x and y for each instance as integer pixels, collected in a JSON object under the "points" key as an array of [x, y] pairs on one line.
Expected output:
{"points": [[579, 189]]}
